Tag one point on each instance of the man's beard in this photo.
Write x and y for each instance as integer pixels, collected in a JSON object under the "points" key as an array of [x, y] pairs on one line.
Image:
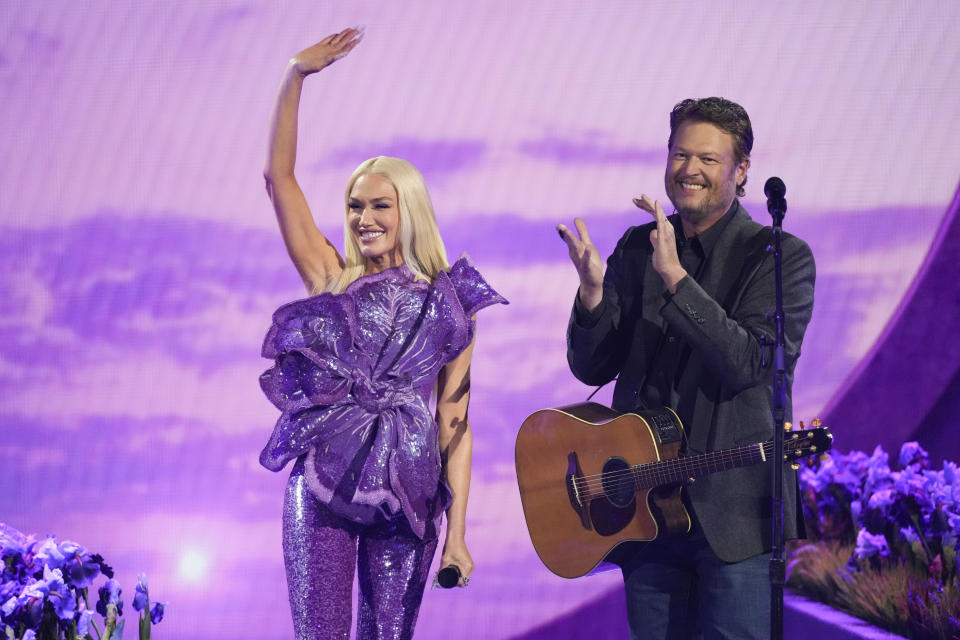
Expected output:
{"points": [[715, 204]]}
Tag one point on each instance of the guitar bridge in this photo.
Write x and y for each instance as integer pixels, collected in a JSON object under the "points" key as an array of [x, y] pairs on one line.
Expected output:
{"points": [[575, 491]]}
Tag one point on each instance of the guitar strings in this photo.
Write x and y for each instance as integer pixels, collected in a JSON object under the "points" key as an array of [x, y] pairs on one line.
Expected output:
{"points": [[669, 468], [639, 476], [647, 476], [674, 470]]}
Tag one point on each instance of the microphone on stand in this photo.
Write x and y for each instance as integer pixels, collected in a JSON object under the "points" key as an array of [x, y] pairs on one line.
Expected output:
{"points": [[775, 191]]}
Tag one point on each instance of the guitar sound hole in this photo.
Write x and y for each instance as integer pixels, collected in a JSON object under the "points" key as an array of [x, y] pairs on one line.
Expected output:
{"points": [[618, 482]]}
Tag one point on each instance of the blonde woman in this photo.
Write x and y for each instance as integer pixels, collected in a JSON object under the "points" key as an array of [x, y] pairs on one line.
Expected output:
{"points": [[355, 365]]}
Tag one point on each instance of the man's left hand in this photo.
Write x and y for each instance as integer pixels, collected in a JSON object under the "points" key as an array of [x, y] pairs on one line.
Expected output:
{"points": [[664, 241]]}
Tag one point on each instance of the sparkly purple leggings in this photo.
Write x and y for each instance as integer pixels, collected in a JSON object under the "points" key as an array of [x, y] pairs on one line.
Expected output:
{"points": [[320, 551]]}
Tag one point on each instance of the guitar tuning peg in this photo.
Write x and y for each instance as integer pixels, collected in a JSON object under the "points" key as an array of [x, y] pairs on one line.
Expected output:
{"points": [[813, 449], [802, 426], [824, 457], [787, 426], [794, 466], [816, 422]]}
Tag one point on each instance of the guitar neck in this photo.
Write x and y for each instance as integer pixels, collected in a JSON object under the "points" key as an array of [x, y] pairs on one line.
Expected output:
{"points": [[655, 474]]}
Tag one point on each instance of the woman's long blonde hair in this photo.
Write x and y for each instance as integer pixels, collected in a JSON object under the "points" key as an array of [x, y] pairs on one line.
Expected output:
{"points": [[420, 242]]}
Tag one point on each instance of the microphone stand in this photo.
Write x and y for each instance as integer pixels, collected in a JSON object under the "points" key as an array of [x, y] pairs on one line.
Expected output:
{"points": [[777, 206]]}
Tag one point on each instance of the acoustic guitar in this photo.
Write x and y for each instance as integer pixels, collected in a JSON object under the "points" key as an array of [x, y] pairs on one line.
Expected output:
{"points": [[592, 479]]}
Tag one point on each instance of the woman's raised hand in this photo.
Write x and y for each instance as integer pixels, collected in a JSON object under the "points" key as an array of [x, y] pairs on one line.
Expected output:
{"points": [[327, 51]]}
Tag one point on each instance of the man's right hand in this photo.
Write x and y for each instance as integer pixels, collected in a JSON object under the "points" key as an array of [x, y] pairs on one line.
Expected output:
{"points": [[587, 261]]}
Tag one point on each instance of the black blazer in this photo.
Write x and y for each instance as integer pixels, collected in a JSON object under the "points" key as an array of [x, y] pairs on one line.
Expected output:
{"points": [[727, 320]]}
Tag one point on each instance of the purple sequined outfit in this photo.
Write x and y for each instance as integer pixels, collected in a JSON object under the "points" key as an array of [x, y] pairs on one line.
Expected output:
{"points": [[352, 377]]}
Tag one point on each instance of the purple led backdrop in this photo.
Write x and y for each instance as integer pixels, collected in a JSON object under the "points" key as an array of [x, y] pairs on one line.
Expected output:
{"points": [[139, 261]]}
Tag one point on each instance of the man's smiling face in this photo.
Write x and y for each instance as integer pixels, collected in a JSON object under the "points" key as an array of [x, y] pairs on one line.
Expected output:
{"points": [[702, 173]]}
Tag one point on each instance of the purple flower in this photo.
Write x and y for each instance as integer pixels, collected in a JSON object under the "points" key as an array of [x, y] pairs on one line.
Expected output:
{"points": [[156, 612], [29, 634], [83, 622], [37, 589], [49, 554], [27, 607], [79, 567], [910, 481], [109, 594], [881, 500], [60, 595], [105, 569], [954, 520], [141, 597], [877, 470], [8, 606], [856, 507], [909, 535], [950, 473], [8, 589], [869, 545], [911, 453]]}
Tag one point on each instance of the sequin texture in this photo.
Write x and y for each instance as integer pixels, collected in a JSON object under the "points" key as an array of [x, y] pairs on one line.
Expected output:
{"points": [[321, 551], [352, 376]]}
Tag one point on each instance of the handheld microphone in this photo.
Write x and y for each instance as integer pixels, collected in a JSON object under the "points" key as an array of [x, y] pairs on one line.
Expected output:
{"points": [[449, 576]]}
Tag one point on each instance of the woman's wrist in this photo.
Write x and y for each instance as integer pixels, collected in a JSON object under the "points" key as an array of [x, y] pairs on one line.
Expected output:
{"points": [[456, 531], [295, 69]]}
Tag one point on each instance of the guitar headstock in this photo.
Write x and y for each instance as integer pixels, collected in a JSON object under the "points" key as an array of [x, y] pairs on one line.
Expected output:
{"points": [[808, 442]]}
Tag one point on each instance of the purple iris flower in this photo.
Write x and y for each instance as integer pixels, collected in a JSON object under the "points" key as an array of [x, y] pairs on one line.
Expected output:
{"points": [[870, 545], [83, 622], [156, 612], [950, 473], [29, 606], [881, 499], [80, 568], [13, 562], [105, 569], [9, 605], [8, 589], [876, 471], [141, 597], [36, 589], [29, 634], [911, 453], [909, 481], [109, 594], [909, 535], [856, 507], [49, 554], [60, 595], [954, 520], [10, 538]]}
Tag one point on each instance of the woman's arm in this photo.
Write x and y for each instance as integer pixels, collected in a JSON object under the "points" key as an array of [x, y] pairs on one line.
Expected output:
{"points": [[315, 258], [456, 447]]}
